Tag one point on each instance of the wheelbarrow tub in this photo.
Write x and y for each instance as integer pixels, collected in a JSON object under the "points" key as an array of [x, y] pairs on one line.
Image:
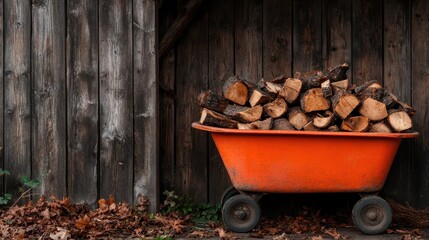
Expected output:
{"points": [[284, 161]]}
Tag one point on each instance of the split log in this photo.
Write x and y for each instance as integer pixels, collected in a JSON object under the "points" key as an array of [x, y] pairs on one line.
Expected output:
{"points": [[282, 124], [261, 125], [360, 88], [373, 109], [344, 103], [212, 118], [355, 124], [212, 101], [373, 90], [406, 108], [235, 90], [343, 84], [280, 79], [276, 108], [291, 89], [338, 72], [313, 79], [244, 114], [399, 120], [390, 100], [258, 97], [333, 128], [273, 87], [313, 100], [323, 121], [310, 127], [326, 88], [380, 127], [297, 118]]}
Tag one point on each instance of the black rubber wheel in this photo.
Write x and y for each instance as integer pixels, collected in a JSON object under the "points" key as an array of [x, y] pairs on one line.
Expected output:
{"points": [[228, 193], [241, 213], [372, 215]]}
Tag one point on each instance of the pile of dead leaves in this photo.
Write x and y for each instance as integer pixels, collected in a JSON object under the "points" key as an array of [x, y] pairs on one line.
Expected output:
{"points": [[60, 219]]}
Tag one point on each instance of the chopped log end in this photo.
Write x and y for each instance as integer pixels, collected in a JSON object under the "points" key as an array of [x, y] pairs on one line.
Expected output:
{"points": [[297, 118], [373, 109], [323, 121], [261, 125], [380, 127], [399, 121], [212, 101], [333, 128], [258, 97], [282, 124], [235, 90], [276, 108], [212, 118], [273, 87], [291, 89], [343, 84], [355, 124], [344, 103], [313, 100], [310, 127]]}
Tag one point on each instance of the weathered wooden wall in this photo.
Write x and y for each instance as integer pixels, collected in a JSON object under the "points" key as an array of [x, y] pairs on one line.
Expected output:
{"points": [[383, 40], [79, 95]]}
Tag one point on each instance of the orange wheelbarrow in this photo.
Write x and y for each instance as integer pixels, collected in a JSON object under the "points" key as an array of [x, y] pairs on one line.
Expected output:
{"points": [[284, 161]]}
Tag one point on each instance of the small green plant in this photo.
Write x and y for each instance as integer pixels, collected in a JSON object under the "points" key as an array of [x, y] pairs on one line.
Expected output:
{"points": [[183, 205], [163, 238], [27, 185]]}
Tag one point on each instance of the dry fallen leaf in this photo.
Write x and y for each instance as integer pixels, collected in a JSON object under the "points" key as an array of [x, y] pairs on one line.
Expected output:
{"points": [[46, 214], [61, 234], [333, 233], [281, 237], [317, 238], [82, 223]]}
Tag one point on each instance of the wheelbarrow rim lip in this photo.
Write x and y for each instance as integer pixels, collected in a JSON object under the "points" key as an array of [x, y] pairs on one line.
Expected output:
{"points": [[199, 126]]}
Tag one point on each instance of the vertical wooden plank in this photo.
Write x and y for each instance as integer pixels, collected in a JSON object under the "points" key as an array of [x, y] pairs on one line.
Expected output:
{"points": [[146, 134], [1, 96], [307, 35], [49, 102], [221, 67], [248, 39], [397, 79], [191, 79], [167, 14], [82, 100], [420, 97], [17, 92], [367, 40], [116, 99], [337, 32], [277, 38]]}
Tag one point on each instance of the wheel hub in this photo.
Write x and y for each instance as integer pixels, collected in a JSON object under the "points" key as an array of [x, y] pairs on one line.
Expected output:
{"points": [[240, 214]]}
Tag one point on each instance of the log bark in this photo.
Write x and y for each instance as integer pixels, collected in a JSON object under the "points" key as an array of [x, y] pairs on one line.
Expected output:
{"points": [[280, 79], [338, 72], [373, 109], [355, 124], [276, 108], [380, 127], [360, 88], [390, 100], [313, 79], [313, 100], [344, 103], [258, 97], [323, 121], [212, 118], [212, 101], [399, 120], [282, 124], [373, 90], [235, 90], [297, 118], [244, 114], [406, 108], [291, 89]]}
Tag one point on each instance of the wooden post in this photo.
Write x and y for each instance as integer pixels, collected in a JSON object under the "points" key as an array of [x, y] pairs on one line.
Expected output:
{"points": [[49, 104], [146, 131], [82, 101]]}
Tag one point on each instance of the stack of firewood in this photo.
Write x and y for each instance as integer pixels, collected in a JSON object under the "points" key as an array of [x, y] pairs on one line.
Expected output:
{"points": [[313, 101]]}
